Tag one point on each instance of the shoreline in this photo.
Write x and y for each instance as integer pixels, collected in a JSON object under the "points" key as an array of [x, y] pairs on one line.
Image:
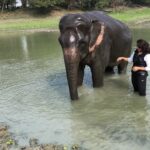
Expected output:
{"points": [[8, 142], [25, 21], [137, 24], [32, 30]]}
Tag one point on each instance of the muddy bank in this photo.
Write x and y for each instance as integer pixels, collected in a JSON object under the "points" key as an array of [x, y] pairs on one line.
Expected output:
{"points": [[8, 142]]}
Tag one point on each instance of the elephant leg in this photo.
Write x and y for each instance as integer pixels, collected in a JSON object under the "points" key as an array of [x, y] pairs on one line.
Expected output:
{"points": [[109, 69], [97, 75], [80, 74], [122, 67]]}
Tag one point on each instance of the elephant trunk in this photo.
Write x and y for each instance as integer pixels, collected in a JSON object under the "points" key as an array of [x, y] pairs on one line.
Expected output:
{"points": [[71, 64]]}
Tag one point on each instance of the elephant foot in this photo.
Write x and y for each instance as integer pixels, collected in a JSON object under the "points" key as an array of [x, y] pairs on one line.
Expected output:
{"points": [[122, 68], [80, 83], [98, 84], [74, 97], [109, 70], [122, 71]]}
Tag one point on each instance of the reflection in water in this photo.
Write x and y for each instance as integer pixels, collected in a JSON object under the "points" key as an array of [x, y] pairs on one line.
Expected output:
{"points": [[34, 98], [24, 45]]}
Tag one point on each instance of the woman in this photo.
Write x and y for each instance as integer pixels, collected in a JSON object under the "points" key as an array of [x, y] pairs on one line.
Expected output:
{"points": [[141, 64]]}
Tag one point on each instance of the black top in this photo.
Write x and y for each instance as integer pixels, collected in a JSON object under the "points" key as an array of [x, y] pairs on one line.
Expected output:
{"points": [[138, 60]]}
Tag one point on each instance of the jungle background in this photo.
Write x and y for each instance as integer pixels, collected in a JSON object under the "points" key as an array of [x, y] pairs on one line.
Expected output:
{"points": [[44, 6]]}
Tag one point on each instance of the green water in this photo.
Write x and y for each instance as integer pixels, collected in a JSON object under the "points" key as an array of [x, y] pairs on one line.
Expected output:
{"points": [[35, 102]]}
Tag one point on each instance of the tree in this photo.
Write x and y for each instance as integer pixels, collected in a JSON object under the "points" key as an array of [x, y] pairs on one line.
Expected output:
{"points": [[141, 1], [88, 4], [102, 4], [24, 3], [7, 4], [3, 5], [42, 3]]}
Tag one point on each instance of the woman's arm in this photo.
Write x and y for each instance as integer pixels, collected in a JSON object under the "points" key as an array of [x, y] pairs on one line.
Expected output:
{"points": [[147, 68], [128, 59], [147, 59], [136, 68]]}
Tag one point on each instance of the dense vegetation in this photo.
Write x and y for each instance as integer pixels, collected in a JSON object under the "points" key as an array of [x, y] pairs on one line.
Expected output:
{"points": [[68, 4]]}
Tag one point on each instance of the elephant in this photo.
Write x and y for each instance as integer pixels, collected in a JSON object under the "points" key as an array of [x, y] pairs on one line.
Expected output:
{"points": [[79, 33]]}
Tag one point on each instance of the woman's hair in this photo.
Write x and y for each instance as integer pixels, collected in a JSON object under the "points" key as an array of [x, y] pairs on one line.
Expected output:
{"points": [[143, 45]]}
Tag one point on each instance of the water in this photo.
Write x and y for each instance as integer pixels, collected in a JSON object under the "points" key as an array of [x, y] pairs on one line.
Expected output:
{"points": [[35, 102]]}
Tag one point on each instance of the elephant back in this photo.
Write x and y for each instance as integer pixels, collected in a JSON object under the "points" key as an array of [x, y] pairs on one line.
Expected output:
{"points": [[118, 32]]}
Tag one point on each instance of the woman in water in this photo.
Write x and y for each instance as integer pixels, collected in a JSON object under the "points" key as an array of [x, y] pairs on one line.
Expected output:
{"points": [[141, 64]]}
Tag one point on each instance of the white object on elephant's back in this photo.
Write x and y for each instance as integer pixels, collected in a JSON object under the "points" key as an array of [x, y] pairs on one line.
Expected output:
{"points": [[72, 38]]}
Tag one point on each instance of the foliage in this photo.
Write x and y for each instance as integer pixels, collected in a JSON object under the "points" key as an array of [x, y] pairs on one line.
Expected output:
{"points": [[42, 3], [7, 4], [51, 22], [141, 1], [88, 4], [102, 4], [82, 4], [24, 3], [62, 3]]}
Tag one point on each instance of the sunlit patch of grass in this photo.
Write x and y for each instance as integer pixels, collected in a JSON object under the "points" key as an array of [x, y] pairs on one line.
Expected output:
{"points": [[132, 15], [50, 23]]}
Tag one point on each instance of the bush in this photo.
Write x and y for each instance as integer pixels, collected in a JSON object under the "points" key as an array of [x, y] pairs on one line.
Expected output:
{"points": [[141, 1], [102, 3], [88, 4]]}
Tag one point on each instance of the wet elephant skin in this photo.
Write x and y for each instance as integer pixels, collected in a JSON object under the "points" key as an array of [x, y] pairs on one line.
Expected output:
{"points": [[79, 32]]}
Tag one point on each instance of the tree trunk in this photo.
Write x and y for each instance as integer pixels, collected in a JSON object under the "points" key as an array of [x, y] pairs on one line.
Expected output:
{"points": [[24, 3], [3, 6]]}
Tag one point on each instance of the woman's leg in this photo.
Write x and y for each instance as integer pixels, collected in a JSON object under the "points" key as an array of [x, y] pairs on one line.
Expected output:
{"points": [[134, 81], [142, 84]]}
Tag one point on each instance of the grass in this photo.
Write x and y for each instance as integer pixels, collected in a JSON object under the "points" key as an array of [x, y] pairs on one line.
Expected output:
{"points": [[132, 15], [23, 24], [23, 21]]}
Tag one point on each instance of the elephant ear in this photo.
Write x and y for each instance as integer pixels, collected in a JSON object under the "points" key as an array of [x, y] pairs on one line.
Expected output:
{"points": [[82, 32], [96, 34]]}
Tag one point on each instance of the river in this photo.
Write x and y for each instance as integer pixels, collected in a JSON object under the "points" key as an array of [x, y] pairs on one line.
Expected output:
{"points": [[35, 102]]}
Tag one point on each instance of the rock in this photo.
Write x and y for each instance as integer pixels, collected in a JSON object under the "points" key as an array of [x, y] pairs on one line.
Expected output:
{"points": [[8, 143], [33, 142], [6, 140]]}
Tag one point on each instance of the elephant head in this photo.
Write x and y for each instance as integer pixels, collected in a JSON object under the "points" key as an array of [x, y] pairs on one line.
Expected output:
{"points": [[77, 34]]}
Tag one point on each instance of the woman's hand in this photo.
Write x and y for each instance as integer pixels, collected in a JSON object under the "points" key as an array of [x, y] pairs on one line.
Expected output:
{"points": [[135, 68], [122, 58], [119, 59]]}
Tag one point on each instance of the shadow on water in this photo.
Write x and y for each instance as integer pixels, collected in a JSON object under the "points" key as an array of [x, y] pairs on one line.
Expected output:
{"points": [[59, 83]]}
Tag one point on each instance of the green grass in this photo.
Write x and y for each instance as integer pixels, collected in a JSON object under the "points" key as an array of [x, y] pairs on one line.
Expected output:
{"points": [[129, 16], [132, 15], [23, 24]]}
